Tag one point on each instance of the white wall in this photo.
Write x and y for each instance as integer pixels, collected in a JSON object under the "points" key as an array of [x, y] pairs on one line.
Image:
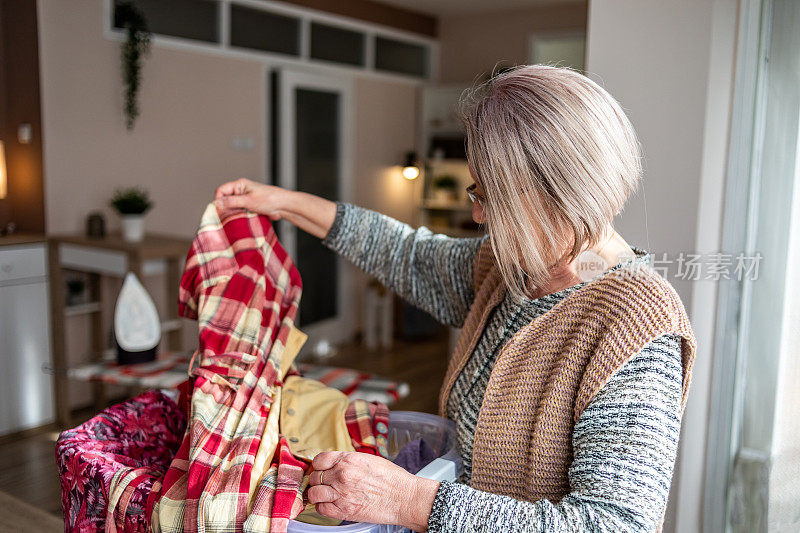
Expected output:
{"points": [[472, 44], [670, 64]]}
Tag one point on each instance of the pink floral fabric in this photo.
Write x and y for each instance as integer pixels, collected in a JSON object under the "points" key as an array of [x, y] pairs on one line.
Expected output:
{"points": [[143, 432]]}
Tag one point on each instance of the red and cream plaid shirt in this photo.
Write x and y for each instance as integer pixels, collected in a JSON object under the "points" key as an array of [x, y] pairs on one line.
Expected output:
{"points": [[244, 290]]}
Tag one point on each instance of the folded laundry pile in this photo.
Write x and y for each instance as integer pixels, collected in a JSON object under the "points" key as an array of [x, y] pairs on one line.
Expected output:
{"points": [[238, 459]]}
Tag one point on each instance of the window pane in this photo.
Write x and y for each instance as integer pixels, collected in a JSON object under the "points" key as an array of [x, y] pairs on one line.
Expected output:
{"points": [[317, 165], [190, 19], [260, 30], [401, 57], [336, 44]]}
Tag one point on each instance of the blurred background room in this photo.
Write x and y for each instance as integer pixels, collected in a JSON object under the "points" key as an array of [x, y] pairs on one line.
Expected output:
{"points": [[117, 114]]}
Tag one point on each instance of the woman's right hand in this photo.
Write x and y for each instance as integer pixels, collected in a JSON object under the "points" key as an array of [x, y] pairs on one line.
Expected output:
{"points": [[310, 213], [257, 197]]}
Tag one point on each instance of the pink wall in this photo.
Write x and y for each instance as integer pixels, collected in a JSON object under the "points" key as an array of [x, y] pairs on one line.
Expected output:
{"points": [[192, 104], [472, 44]]}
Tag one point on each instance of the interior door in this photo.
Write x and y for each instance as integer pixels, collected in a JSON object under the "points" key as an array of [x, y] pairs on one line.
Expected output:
{"points": [[313, 148]]}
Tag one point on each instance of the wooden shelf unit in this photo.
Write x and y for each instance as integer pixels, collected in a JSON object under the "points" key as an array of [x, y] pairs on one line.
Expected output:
{"points": [[82, 309], [441, 141], [98, 257]]}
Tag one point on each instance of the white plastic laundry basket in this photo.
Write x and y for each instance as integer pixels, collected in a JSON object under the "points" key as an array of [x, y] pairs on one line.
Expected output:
{"points": [[405, 426]]}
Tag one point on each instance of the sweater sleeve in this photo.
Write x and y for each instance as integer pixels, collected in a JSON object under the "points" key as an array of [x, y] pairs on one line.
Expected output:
{"points": [[430, 271], [625, 443]]}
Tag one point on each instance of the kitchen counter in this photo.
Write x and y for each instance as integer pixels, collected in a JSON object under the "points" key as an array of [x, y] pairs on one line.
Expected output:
{"points": [[22, 238]]}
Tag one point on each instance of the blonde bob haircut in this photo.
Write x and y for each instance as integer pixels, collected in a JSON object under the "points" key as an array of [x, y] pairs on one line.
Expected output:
{"points": [[557, 159]]}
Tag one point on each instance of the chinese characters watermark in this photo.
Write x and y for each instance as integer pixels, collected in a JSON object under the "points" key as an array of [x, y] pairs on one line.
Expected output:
{"points": [[684, 266]]}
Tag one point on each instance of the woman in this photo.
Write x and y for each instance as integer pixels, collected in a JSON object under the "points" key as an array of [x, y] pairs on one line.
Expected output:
{"points": [[569, 378]]}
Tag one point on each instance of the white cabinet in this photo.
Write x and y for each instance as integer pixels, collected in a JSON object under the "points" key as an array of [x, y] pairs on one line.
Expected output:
{"points": [[26, 391]]}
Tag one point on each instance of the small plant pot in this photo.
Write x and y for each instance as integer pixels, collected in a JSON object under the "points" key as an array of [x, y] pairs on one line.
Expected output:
{"points": [[132, 227]]}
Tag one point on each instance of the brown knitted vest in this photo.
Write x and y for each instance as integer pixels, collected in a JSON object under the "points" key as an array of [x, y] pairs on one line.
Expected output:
{"points": [[552, 368]]}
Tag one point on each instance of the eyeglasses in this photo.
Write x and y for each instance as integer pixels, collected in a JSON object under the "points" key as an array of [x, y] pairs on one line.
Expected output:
{"points": [[474, 196]]}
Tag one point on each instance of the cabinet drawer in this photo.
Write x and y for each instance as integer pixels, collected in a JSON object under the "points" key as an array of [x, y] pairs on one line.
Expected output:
{"points": [[20, 262]]}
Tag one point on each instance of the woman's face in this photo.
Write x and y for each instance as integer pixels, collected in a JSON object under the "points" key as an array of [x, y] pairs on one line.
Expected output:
{"points": [[480, 199]]}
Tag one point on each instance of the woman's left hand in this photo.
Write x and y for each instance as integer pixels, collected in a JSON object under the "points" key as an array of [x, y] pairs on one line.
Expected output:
{"points": [[366, 488]]}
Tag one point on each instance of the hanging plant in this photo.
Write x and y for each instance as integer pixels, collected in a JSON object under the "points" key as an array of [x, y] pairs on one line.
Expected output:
{"points": [[137, 45]]}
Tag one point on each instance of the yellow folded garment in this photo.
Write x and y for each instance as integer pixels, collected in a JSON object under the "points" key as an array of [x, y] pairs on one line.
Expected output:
{"points": [[312, 418]]}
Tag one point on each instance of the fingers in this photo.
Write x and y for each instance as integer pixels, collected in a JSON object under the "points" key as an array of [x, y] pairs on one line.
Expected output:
{"points": [[230, 188], [225, 189], [357, 487], [331, 510], [327, 460], [322, 493], [316, 478], [233, 202]]}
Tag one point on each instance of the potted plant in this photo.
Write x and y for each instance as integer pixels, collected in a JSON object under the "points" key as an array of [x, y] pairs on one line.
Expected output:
{"points": [[131, 204], [445, 188]]}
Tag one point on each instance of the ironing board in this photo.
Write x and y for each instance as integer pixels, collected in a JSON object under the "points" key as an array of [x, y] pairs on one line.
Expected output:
{"points": [[170, 369]]}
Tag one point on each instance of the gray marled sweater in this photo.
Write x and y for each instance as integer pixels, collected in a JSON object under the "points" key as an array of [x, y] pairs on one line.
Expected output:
{"points": [[625, 441]]}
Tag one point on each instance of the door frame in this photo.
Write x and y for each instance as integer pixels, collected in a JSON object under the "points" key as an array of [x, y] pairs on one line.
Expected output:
{"points": [[338, 329]]}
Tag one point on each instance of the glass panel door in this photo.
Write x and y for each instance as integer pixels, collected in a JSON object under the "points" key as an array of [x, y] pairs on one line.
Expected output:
{"points": [[317, 172], [314, 146]]}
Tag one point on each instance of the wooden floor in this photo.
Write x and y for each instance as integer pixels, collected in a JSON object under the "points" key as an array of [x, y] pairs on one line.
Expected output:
{"points": [[27, 464], [420, 364], [28, 471], [17, 516]]}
